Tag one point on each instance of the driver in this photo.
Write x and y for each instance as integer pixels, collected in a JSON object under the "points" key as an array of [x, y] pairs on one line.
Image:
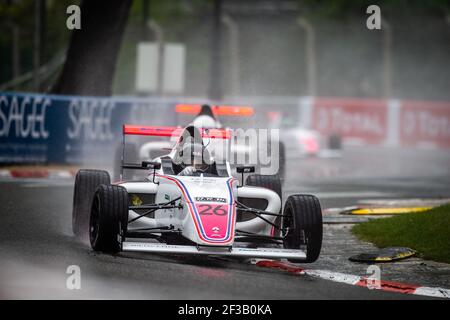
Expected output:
{"points": [[191, 154], [195, 159]]}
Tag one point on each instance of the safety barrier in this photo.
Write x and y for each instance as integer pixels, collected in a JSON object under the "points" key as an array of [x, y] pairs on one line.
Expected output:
{"points": [[380, 122], [70, 129], [37, 128]]}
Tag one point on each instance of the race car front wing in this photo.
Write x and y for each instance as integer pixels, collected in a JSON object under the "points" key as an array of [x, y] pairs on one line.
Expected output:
{"points": [[269, 253]]}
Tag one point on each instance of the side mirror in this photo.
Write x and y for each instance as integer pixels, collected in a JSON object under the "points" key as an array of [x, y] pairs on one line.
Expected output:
{"points": [[151, 165], [245, 169]]}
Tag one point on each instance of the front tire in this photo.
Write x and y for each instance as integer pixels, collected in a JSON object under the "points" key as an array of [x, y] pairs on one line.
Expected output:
{"points": [[302, 225], [109, 218], [86, 182]]}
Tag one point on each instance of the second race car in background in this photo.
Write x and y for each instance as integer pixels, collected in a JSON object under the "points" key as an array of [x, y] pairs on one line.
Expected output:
{"points": [[303, 142]]}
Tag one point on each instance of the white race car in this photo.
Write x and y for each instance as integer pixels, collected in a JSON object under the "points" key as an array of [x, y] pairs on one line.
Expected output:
{"points": [[299, 141], [190, 204]]}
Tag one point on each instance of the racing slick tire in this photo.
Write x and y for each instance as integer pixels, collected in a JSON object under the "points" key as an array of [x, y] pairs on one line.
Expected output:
{"points": [[271, 182], [302, 217], [86, 182], [131, 156], [109, 218]]}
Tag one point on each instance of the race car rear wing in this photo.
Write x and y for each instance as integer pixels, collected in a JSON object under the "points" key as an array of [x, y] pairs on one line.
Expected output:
{"points": [[158, 131], [222, 110], [162, 131]]}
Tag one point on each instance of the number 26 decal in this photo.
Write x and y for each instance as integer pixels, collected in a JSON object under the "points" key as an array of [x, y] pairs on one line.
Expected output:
{"points": [[209, 209]]}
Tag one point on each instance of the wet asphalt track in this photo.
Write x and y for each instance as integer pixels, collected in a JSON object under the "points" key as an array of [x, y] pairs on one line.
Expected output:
{"points": [[37, 246]]}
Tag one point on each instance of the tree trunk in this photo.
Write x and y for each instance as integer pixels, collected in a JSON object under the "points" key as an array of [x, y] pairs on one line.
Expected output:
{"points": [[215, 68], [91, 58]]}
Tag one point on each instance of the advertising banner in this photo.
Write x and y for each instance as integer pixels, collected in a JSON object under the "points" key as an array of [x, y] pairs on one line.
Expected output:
{"points": [[359, 119], [70, 129], [425, 123]]}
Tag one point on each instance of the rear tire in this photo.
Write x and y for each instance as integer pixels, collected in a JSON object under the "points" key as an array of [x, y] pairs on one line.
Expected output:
{"points": [[302, 216], [271, 182], [109, 218], [86, 182]]}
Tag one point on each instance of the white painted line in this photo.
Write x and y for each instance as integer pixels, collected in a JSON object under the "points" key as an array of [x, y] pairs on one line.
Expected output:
{"points": [[5, 174], [404, 202], [46, 184], [353, 194], [61, 174], [433, 292], [334, 276]]}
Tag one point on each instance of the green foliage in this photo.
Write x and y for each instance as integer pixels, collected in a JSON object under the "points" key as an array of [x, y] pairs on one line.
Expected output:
{"points": [[172, 15], [342, 8], [22, 14], [427, 232]]}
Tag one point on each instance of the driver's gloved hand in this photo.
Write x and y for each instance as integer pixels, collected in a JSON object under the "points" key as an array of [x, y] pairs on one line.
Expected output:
{"points": [[187, 171]]}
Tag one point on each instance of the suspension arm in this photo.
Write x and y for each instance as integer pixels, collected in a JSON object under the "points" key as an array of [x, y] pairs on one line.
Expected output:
{"points": [[153, 207], [243, 208]]}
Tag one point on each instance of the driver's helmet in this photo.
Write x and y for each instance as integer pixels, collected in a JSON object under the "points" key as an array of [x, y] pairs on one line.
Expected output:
{"points": [[206, 122], [195, 155], [206, 118], [191, 151], [206, 110]]}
